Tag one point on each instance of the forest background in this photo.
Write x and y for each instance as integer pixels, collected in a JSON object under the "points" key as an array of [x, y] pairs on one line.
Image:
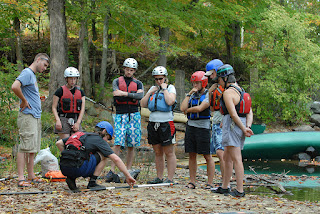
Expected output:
{"points": [[273, 45]]}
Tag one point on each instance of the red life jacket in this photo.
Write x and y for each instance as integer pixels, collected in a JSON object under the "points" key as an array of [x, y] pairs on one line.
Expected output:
{"points": [[244, 105], [70, 103], [215, 98], [133, 87], [74, 141]]}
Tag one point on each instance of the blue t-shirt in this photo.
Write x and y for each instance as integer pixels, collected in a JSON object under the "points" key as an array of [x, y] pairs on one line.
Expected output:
{"points": [[30, 91]]}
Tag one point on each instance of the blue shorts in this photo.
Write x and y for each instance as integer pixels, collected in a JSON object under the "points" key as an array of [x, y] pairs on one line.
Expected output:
{"points": [[127, 129], [86, 170], [216, 138]]}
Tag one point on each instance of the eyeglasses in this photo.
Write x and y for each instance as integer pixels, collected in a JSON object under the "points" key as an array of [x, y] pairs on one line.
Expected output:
{"points": [[156, 79]]}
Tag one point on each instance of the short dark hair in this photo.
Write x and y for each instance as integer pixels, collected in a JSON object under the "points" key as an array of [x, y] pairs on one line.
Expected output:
{"points": [[44, 56]]}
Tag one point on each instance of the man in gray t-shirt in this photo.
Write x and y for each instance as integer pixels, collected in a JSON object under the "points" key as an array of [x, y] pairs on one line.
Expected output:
{"points": [[29, 118]]}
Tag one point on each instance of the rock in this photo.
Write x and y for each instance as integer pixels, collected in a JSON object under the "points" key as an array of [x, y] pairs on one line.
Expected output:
{"points": [[92, 111], [106, 115], [303, 128], [315, 107], [315, 118], [304, 156], [316, 128]]}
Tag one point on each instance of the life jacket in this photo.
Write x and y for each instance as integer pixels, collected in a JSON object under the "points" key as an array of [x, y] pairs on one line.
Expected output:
{"points": [[215, 98], [74, 153], [244, 105], [157, 102], [70, 103], [196, 100], [133, 87]]}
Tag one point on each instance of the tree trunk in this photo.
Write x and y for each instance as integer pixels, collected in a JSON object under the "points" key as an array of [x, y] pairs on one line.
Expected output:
{"points": [[233, 40], [164, 42], [94, 52], [58, 48], [18, 48], [84, 59], [104, 56]]}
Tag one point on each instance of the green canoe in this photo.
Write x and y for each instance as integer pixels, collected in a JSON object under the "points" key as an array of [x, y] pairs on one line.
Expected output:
{"points": [[282, 145]]}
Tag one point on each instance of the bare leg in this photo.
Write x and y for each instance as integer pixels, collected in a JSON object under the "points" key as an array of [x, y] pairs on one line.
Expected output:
{"points": [[238, 167], [116, 150], [193, 166], [30, 165], [220, 156], [101, 165], [228, 166], [171, 160], [210, 168], [62, 135], [130, 157], [20, 165], [159, 159]]}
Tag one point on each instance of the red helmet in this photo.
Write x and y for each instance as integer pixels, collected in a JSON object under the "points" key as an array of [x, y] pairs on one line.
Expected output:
{"points": [[199, 76]]}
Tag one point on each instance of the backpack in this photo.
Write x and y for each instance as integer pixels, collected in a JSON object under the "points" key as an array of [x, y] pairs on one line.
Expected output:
{"points": [[74, 153]]}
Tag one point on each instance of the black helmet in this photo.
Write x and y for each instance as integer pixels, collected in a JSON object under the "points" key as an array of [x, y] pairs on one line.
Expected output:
{"points": [[225, 70]]}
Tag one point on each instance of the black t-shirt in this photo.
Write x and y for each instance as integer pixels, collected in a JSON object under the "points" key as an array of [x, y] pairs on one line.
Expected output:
{"points": [[94, 143]]}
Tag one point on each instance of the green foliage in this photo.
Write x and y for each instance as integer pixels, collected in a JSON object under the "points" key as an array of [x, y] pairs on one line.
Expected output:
{"points": [[288, 65]]}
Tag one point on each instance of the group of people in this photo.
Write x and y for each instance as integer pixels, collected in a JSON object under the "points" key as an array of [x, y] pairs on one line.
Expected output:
{"points": [[200, 104]]}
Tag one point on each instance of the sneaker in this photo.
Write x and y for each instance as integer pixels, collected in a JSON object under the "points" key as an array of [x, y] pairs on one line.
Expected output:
{"points": [[155, 181], [168, 181], [109, 177], [220, 190], [72, 184], [236, 193], [95, 186]]}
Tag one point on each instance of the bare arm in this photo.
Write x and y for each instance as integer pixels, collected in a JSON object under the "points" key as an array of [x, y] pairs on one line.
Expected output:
{"points": [[119, 163], [16, 88], [184, 105], [170, 98], [77, 124], [60, 145], [55, 112], [145, 99]]}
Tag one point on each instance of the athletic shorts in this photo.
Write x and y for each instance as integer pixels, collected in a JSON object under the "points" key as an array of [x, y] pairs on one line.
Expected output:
{"points": [[197, 140], [216, 138], [232, 135], [161, 133], [66, 127], [29, 132], [127, 129], [86, 170]]}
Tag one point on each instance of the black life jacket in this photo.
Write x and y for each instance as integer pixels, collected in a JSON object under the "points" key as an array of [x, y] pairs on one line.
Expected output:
{"points": [[196, 100], [244, 105]]}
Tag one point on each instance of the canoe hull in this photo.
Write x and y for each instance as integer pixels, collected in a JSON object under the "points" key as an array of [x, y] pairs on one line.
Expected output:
{"points": [[282, 145]]}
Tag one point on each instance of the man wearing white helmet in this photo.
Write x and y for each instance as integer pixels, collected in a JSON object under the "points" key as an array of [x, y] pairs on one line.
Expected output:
{"points": [[68, 105], [127, 91], [160, 100]]}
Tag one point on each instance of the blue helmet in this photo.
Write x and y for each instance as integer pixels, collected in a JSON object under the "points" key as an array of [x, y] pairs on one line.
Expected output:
{"points": [[107, 126], [213, 65]]}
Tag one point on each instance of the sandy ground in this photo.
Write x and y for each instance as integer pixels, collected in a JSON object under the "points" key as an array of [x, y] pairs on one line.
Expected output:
{"points": [[164, 199]]}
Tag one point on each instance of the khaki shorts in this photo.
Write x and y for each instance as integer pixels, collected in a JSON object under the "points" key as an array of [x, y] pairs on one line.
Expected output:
{"points": [[29, 132], [66, 127]]}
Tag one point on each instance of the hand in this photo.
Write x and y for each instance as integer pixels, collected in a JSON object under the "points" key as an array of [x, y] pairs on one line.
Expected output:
{"points": [[75, 127], [185, 112], [119, 93], [193, 90], [58, 125], [248, 132], [130, 180], [164, 85], [154, 89], [24, 104]]}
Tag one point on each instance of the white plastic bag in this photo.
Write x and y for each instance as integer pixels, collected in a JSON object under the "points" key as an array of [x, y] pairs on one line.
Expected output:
{"points": [[48, 161]]}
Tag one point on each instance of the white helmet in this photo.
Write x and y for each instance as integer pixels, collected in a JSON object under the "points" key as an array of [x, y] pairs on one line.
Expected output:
{"points": [[130, 63], [159, 70], [71, 72]]}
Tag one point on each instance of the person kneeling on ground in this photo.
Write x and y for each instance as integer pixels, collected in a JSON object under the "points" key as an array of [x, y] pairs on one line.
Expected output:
{"points": [[91, 159]]}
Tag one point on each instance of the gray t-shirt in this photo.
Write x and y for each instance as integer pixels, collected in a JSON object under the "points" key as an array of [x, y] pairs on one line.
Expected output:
{"points": [[30, 91], [160, 116], [201, 123]]}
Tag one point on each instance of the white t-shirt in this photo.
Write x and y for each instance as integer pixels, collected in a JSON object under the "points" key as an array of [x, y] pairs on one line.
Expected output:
{"points": [[160, 116]]}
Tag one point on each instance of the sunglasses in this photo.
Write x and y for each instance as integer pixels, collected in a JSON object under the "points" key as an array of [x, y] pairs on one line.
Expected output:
{"points": [[156, 79]]}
